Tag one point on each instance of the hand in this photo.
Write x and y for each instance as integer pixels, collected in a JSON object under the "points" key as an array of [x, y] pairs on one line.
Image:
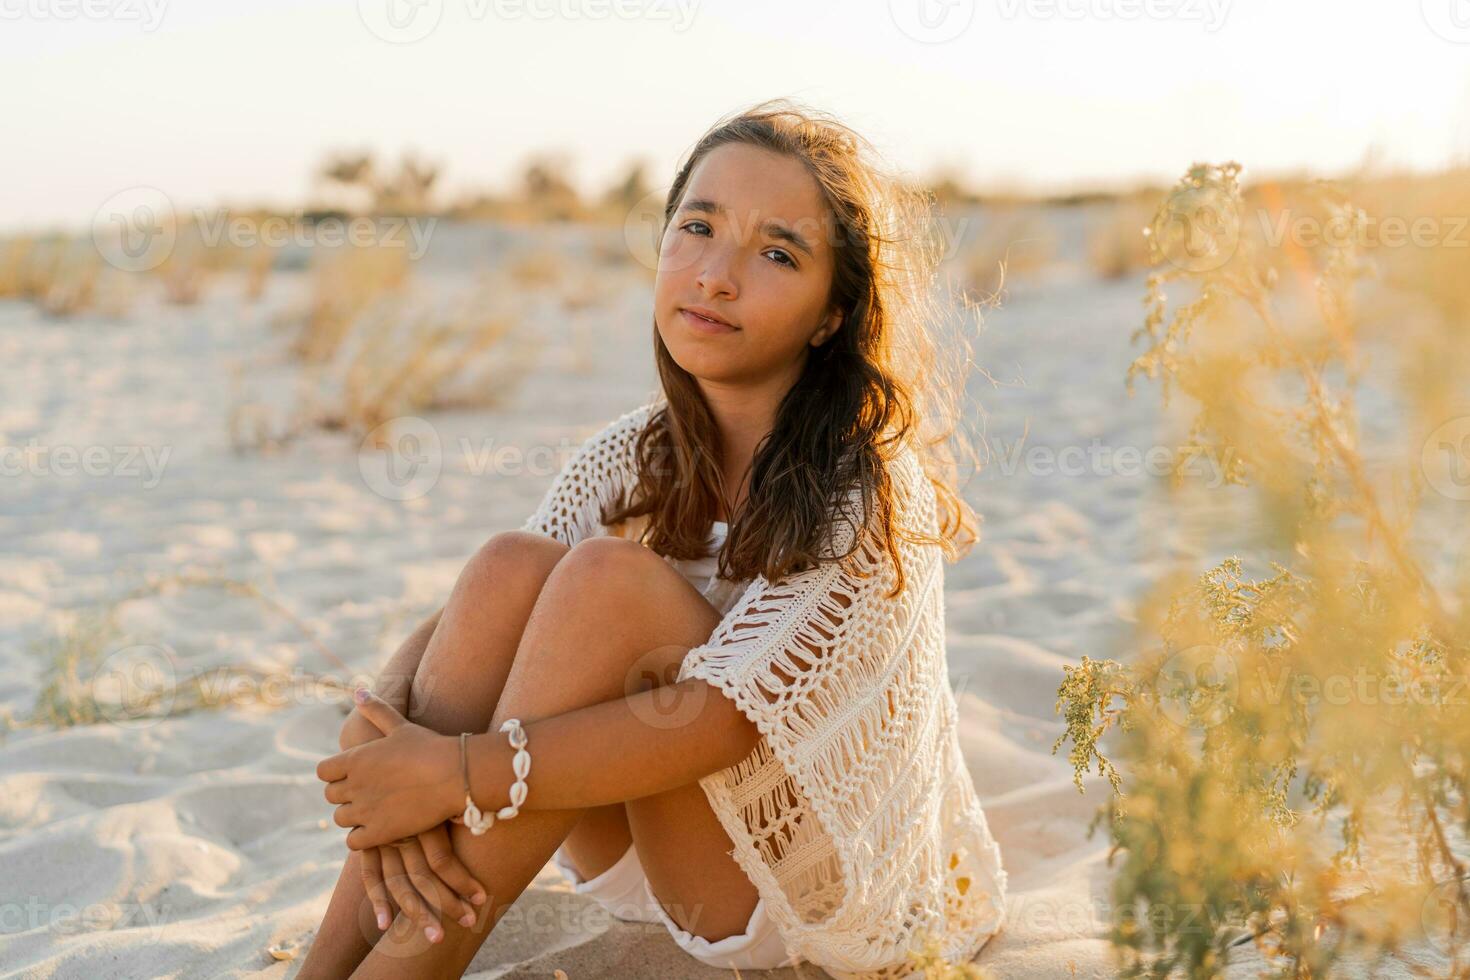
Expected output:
{"points": [[425, 878], [392, 787], [356, 730]]}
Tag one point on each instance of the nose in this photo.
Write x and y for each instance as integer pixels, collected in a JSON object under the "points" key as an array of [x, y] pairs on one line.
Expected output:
{"points": [[716, 273]]}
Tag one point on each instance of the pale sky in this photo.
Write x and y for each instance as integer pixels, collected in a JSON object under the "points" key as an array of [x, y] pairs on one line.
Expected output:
{"points": [[224, 102]]}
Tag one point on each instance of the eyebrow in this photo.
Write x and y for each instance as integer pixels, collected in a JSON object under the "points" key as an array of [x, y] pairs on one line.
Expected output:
{"points": [[771, 227]]}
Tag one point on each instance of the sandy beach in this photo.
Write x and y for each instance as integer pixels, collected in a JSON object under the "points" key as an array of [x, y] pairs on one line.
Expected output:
{"points": [[200, 844]]}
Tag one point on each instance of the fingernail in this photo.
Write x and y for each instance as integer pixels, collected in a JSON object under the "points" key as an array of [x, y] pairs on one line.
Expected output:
{"points": [[433, 933], [382, 919], [479, 898], [468, 919], [360, 695]]}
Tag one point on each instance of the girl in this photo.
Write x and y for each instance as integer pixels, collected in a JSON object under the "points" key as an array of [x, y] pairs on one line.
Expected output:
{"points": [[724, 625]]}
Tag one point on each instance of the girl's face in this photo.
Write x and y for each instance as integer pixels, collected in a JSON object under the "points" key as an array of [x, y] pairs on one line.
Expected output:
{"points": [[750, 244]]}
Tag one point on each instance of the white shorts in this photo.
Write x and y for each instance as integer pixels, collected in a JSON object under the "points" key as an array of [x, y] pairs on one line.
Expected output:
{"points": [[623, 890]]}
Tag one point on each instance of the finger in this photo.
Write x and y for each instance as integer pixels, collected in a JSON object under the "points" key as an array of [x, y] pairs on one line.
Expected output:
{"points": [[395, 880], [439, 853], [406, 894], [372, 885], [333, 767], [383, 715], [361, 837], [337, 792], [436, 892]]}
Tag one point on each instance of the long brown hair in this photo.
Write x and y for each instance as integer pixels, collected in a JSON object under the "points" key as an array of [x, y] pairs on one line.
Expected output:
{"points": [[874, 386]]}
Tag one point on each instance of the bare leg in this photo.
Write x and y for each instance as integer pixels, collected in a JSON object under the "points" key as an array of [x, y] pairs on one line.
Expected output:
{"points": [[607, 613], [470, 652]]}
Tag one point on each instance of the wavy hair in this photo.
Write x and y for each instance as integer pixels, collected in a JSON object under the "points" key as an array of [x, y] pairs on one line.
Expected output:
{"points": [[888, 377]]}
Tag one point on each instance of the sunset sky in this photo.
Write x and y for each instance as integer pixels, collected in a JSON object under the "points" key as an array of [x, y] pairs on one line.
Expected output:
{"points": [[232, 102]]}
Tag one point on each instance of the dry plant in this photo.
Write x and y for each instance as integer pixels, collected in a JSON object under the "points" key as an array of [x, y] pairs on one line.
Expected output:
{"points": [[930, 964], [67, 276], [1429, 266], [83, 685], [63, 277], [403, 361], [257, 263], [375, 351], [72, 285], [254, 425], [399, 356], [202, 252], [14, 261], [537, 269], [345, 283], [376, 189], [1291, 767], [1117, 245], [183, 274], [29, 267]]}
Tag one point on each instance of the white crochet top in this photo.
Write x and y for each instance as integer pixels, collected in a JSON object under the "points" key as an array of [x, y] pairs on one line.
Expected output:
{"points": [[854, 816], [704, 573]]}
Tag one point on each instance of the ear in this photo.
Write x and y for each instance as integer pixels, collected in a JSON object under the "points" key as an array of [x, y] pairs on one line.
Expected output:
{"points": [[830, 327]]}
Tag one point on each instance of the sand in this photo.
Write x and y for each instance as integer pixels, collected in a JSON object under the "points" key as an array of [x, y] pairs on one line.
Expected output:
{"points": [[193, 845]]}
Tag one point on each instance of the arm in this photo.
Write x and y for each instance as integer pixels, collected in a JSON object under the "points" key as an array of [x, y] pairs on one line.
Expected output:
{"points": [[393, 683], [410, 779], [610, 752], [396, 679], [629, 747]]}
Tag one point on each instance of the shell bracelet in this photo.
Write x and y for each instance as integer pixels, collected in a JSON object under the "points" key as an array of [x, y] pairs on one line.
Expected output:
{"points": [[477, 821]]}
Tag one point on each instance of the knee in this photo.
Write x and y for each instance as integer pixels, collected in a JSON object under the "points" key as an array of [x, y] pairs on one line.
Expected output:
{"points": [[508, 557], [606, 562]]}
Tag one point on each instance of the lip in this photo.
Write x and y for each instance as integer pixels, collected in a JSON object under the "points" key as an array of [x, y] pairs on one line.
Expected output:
{"points": [[706, 321]]}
